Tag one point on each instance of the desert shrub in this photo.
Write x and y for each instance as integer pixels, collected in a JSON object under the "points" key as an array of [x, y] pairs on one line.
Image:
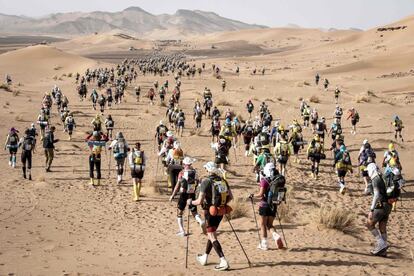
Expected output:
{"points": [[56, 68], [306, 83], [240, 208], [362, 99], [336, 218], [223, 103], [70, 75], [5, 87], [314, 99]]}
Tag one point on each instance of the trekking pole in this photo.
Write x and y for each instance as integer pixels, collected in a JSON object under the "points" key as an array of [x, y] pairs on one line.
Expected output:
{"points": [[188, 237], [254, 215], [109, 165], [241, 246], [281, 228]]}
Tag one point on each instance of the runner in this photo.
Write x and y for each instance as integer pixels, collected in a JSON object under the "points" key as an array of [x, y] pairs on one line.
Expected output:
{"points": [[120, 149], [49, 147], [70, 125], [343, 165], [214, 196], [379, 212], [137, 161], [271, 194], [215, 129], [187, 184], [12, 143], [174, 161], [353, 114], [315, 153], [161, 134], [398, 127], [27, 142], [109, 126], [96, 141]]}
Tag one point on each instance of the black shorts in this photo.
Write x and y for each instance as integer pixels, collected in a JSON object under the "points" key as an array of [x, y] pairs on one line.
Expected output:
{"points": [[296, 148], [137, 173], [27, 156], [353, 122], [267, 211], [182, 201], [212, 222], [365, 173], [341, 173], [13, 149], [382, 214], [221, 160]]}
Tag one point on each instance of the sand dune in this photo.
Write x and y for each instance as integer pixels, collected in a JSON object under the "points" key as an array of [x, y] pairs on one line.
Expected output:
{"points": [[41, 61]]}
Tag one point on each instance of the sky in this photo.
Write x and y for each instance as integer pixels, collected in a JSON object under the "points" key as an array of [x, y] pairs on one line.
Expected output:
{"points": [[341, 14]]}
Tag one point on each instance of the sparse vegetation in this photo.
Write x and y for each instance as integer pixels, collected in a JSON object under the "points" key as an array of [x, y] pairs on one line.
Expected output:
{"points": [[240, 208], [336, 218], [55, 77], [306, 83], [19, 118], [70, 75], [269, 100], [224, 103], [314, 99], [56, 68], [5, 87]]}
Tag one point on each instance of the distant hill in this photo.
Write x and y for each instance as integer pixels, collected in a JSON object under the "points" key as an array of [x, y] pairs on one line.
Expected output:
{"points": [[132, 20]]}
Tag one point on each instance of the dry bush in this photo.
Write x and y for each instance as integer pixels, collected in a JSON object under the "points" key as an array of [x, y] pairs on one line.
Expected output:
{"points": [[269, 100], [306, 83], [370, 93], [64, 75], [279, 99], [251, 87], [55, 77], [70, 75], [29, 100], [314, 99], [223, 103], [336, 218], [7, 103], [362, 99], [240, 208], [5, 87], [56, 68], [19, 118], [146, 111]]}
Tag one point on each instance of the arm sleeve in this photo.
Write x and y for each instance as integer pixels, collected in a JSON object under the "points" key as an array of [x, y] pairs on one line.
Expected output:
{"points": [[376, 195]]}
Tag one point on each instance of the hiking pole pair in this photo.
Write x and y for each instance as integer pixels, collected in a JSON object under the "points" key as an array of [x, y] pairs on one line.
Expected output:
{"points": [[188, 237], [241, 246], [281, 228], [255, 219]]}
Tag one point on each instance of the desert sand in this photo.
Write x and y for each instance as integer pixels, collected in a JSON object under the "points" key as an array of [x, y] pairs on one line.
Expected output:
{"points": [[57, 224]]}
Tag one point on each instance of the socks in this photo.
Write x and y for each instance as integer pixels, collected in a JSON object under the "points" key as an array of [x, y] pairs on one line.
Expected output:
{"points": [[209, 246], [218, 249], [198, 219], [180, 224]]}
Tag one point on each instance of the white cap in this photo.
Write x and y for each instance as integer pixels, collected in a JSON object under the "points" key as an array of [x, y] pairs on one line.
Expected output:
{"points": [[210, 166], [161, 122], [177, 145], [365, 142], [170, 133], [188, 160], [269, 169]]}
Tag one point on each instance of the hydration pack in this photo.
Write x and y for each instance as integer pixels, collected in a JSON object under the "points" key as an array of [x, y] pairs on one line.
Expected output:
{"points": [[277, 190]]}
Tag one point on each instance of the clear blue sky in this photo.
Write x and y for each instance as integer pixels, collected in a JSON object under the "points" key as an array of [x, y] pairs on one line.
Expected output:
{"points": [[306, 13]]}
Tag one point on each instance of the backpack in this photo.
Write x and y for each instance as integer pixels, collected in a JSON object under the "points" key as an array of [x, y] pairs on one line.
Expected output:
{"points": [[268, 158], [249, 131], [28, 143], [284, 149], [356, 117], [139, 159], [216, 125], [13, 139], [222, 150], [162, 130], [264, 138], [219, 193], [70, 121], [110, 123], [344, 162], [393, 184], [227, 131], [277, 190], [120, 149], [190, 179], [250, 108], [319, 127]]}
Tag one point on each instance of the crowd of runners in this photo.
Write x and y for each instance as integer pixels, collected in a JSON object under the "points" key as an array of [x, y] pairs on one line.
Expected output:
{"points": [[270, 142]]}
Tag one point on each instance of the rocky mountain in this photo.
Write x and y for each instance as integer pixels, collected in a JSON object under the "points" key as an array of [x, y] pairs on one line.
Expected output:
{"points": [[133, 20]]}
